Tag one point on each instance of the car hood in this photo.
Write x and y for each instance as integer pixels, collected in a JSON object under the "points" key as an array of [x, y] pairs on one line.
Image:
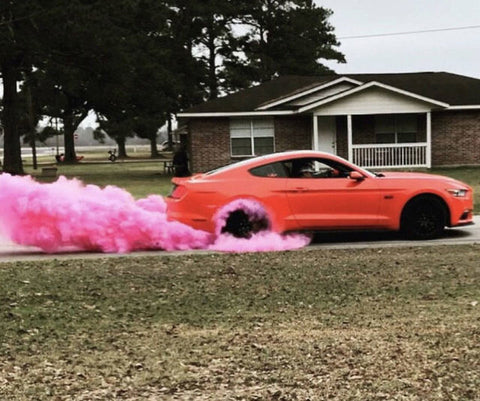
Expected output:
{"points": [[421, 176]]}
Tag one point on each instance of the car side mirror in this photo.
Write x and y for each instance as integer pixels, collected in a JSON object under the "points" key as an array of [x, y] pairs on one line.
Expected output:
{"points": [[355, 175]]}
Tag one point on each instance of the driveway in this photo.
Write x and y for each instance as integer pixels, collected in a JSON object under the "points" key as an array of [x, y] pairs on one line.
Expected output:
{"points": [[10, 252]]}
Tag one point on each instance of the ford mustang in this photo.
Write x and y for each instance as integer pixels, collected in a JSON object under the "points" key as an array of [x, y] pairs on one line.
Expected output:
{"points": [[312, 191]]}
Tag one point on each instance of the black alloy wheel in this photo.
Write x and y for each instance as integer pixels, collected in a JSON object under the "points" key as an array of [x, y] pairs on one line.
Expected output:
{"points": [[423, 218]]}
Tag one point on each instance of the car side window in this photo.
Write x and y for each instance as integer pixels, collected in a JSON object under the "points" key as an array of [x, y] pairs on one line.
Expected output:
{"points": [[316, 168], [272, 170]]}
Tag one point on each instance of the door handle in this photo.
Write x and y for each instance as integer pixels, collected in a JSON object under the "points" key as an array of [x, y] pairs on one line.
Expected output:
{"points": [[300, 189]]}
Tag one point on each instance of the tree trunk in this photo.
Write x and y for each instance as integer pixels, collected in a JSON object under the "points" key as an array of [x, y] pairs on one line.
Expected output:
{"points": [[12, 158], [68, 131], [122, 150], [153, 146]]}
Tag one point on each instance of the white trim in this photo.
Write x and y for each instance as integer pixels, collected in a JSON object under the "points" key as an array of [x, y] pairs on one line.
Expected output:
{"points": [[350, 138], [387, 145], [315, 132], [274, 103], [366, 86], [428, 156], [238, 114], [465, 107]]}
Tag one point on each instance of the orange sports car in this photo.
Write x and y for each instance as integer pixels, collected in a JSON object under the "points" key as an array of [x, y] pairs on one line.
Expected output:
{"points": [[312, 191]]}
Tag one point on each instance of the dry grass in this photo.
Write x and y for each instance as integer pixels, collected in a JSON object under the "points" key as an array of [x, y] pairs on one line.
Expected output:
{"points": [[391, 324]]}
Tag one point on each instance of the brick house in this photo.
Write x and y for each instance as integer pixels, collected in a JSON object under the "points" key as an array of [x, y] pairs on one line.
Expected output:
{"points": [[374, 120]]}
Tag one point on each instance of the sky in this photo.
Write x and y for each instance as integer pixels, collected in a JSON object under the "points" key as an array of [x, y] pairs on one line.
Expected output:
{"points": [[455, 51]]}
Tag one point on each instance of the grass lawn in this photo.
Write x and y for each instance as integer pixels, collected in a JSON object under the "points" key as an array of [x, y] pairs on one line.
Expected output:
{"points": [[390, 324], [140, 178]]}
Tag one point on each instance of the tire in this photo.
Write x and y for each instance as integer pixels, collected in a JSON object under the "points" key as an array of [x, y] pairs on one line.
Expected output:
{"points": [[423, 218], [239, 225]]}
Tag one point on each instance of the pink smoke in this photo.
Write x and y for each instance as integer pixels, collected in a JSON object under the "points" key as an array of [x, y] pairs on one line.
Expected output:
{"points": [[68, 214]]}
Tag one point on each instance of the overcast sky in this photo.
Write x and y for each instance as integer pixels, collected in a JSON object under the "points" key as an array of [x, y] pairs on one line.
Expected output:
{"points": [[456, 51]]}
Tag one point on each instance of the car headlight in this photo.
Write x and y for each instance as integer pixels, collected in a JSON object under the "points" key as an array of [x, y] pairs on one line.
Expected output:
{"points": [[457, 193]]}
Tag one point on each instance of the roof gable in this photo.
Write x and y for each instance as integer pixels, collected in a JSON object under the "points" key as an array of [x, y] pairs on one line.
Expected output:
{"points": [[371, 85], [317, 91]]}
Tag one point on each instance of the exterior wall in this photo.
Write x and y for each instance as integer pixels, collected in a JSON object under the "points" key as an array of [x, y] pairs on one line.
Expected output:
{"points": [[293, 133], [209, 140], [209, 144], [363, 128], [456, 137]]}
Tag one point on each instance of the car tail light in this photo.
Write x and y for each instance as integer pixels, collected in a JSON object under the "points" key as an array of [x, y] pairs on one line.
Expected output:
{"points": [[177, 191]]}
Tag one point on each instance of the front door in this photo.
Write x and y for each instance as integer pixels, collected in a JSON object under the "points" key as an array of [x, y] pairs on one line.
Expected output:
{"points": [[327, 138]]}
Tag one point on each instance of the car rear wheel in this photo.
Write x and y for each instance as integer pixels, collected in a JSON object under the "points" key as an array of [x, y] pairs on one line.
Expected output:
{"points": [[240, 225], [423, 218]]}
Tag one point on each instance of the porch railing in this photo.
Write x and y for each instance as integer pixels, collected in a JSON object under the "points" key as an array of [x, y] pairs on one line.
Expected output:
{"points": [[391, 155]]}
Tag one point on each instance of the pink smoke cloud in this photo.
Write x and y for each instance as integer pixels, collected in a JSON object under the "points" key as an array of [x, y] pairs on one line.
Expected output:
{"points": [[69, 214]]}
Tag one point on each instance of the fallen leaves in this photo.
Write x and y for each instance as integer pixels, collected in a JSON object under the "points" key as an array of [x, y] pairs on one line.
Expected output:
{"points": [[400, 324]]}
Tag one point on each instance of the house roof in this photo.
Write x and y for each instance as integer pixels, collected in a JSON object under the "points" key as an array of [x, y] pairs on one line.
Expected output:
{"points": [[452, 89]]}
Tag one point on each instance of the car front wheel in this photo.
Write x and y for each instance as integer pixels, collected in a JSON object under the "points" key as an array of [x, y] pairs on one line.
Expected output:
{"points": [[423, 218]]}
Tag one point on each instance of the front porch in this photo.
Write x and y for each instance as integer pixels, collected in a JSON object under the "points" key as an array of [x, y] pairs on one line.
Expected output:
{"points": [[390, 156], [376, 140]]}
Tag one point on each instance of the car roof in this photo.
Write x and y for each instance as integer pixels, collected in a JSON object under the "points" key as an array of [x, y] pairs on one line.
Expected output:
{"points": [[260, 160]]}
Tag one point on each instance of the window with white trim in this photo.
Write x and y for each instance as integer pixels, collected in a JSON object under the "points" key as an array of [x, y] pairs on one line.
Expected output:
{"points": [[252, 137], [396, 128]]}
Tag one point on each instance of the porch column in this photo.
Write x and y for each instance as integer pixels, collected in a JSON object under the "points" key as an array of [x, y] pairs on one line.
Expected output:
{"points": [[315, 133], [349, 138], [428, 150]]}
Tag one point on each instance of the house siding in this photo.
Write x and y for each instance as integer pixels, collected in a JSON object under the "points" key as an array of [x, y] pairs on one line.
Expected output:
{"points": [[293, 133], [456, 138], [209, 144]]}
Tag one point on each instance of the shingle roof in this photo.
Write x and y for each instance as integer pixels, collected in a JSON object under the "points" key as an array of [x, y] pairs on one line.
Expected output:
{"points": [[251, 98], [442, 86], [449, 88]]}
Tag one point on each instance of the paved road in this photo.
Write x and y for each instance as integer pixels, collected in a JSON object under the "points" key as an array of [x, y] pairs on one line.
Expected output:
{"points": [[465, 235]]}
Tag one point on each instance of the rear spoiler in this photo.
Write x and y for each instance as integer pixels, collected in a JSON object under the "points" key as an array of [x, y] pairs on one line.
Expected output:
{"points": [[180, 180]]}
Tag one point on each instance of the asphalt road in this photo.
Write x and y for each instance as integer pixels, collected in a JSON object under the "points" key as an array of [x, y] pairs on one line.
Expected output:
{"points": [[10, 252]]}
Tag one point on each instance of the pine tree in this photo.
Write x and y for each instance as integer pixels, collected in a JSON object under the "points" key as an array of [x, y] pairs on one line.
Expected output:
{"points": [[286, 37]]}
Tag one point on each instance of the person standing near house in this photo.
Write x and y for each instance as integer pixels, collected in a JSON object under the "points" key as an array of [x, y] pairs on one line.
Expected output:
{"points": [[180, 162]]}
